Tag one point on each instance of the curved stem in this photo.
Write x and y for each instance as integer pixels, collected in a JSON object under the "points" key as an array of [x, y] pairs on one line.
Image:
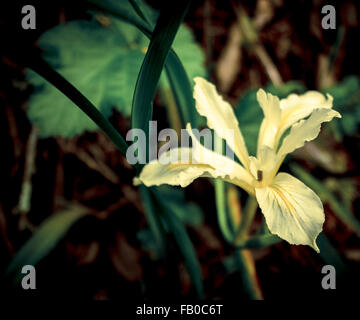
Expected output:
{"points": [[248, 217], [243, 257], [246, 265], [221, 210]]}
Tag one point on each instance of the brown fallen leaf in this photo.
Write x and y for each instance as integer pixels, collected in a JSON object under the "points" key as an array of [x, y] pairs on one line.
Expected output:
{"points": [[126, 259], [229, 63]]}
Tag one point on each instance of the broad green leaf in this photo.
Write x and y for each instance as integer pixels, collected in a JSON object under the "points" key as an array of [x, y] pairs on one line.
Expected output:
{"points": [[37, 64], [249, 115], [287, 88], [99, 61], [44, 239], [347, 101], [106, 74], [345, 92], [349, 123]]}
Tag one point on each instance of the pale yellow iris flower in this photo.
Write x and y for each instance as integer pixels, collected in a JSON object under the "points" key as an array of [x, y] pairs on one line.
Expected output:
{"points": [[291, 209]]}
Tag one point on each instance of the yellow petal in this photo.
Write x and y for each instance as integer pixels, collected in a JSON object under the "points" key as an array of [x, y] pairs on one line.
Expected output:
{"points": [[271, 107], [220, 117], [296, 107], [262, 167], [172, 168], [305, 130], [181, 166], [292, 210]]}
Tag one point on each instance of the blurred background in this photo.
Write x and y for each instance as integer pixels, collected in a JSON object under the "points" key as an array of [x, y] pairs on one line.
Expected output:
{"points": [[54, 160]]}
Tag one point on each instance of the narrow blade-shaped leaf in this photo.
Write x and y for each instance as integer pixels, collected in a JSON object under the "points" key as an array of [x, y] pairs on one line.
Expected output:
{"points": [[162, 38], [153, 220], [257, 242], [188, 251], [175, 71], [177, 228], [44, 239], [330, 255]]}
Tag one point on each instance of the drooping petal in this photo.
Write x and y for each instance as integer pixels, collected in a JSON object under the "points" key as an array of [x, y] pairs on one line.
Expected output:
{"points": [[296, 107], [230, 170], [172, 168], [292, 210], [305, 130], [220, 117], [271, 107], [181, 166]]}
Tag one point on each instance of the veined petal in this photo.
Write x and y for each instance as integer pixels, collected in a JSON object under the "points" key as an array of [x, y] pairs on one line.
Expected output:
{"points": [[227, 168], [305, 130], [271, 107], [296, 107], [181, 166], [220, 117], [292, 210], [173, 167], [300, 106]]}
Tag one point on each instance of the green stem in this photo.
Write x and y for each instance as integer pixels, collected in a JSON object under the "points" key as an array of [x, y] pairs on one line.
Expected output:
{"points": [[243, 258], [248, 217], [246, 266], [220, 198], [221, 211], [260, 241]]}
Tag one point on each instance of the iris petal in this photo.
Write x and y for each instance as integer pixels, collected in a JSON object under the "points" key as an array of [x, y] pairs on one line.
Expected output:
{"points": [[220, 117], [292, 210]]}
